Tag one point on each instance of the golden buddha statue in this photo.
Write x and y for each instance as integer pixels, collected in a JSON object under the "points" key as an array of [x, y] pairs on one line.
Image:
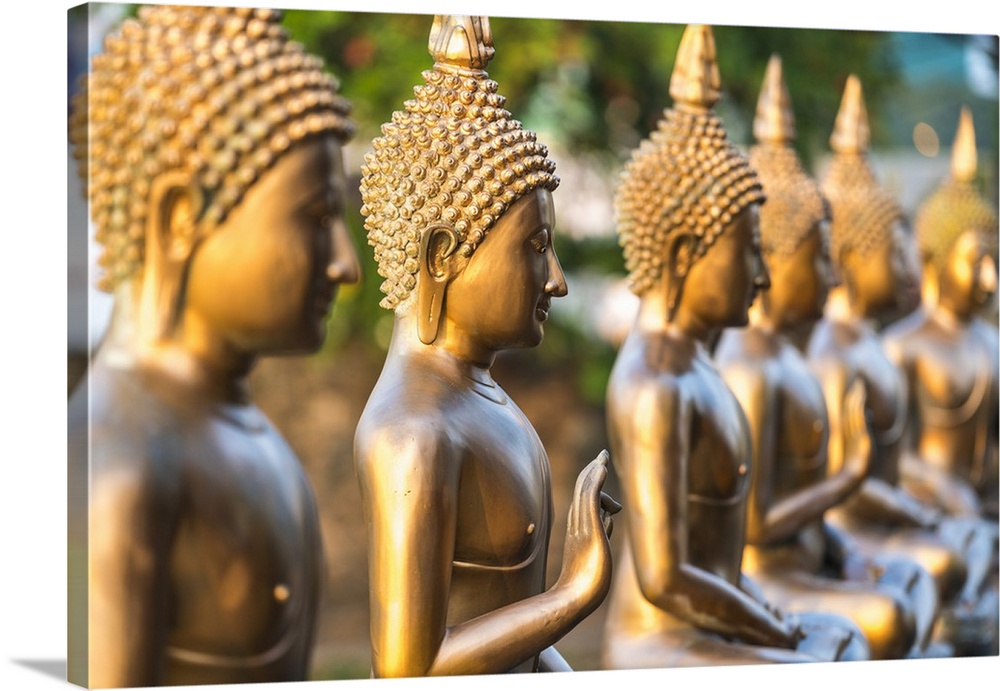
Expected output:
{"points": [[686, 212], [795, 556], [868, 250], [454, 480], [211, 145], [947, 351]]}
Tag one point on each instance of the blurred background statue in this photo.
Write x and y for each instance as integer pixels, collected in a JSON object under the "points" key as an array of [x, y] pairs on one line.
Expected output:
{"points": [[454, 480], [868, 247], [211, 146], [948, 351], [799, 560], [949, 355], [687, 220]]}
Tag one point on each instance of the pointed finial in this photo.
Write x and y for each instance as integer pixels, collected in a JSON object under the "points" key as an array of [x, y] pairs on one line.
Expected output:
{"points": [[850, 130], [774, 121], [461, 44], [963, 151], [695, 82]]}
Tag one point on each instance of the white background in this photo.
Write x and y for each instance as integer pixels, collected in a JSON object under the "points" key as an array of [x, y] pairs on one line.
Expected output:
{"points": [[33, 351]]}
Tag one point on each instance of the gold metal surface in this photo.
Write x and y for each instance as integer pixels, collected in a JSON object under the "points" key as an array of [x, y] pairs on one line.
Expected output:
{"points": [[687, 219], [868, 248], [213, 149], [948, 352], [949, 355], [454, 480], [799, 560]]}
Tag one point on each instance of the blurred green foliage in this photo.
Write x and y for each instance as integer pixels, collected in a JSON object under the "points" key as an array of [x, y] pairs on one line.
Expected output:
{"points": [[599, 86]]}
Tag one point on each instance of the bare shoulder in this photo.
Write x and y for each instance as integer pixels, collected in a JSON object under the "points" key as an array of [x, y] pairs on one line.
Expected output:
{"points": [[750, 345], [833, 339], [398, 438], [135, 447], [986, 333], [642, 394], [899, 338], [749, 377]]}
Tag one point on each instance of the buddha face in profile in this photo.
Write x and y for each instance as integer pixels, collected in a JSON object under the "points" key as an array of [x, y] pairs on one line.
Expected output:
{"points": [[795, 222], [967, 277], [501, 298], [720, 287], [881, 278], [869, 240], [801, 280], [212, 149], [267, 276]]}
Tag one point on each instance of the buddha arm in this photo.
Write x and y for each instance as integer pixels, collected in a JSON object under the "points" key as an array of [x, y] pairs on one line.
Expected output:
{"points": [[133, 514], [875, 498], [930, 484], [771, 520], [654, 461], [410, 486]]}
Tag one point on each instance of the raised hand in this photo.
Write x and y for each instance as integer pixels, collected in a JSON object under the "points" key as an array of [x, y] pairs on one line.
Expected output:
{"points": [[857, 435], [586, 565]]}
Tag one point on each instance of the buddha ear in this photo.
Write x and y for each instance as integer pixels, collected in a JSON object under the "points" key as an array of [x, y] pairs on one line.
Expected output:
{"points": [[845, 268], [174, 207], [678, 257], [438, 266]]}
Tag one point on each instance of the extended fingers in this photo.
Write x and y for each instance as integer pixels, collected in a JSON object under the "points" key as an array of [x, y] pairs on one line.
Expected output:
{"points": [[609, 507], [588, 488]]}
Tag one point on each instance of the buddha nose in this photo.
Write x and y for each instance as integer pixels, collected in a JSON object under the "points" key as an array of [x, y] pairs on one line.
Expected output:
{"points": [[556, 285], [762, 280], [988, 275], [343, 266]]}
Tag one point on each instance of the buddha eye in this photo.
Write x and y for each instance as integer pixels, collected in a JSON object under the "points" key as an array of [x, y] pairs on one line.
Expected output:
{"points": [[540, 241]]}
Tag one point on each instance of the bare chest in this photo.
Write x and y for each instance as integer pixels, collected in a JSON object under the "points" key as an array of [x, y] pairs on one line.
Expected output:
{"points": [[504, 503], [246, 558], [802, 424], [952, 381], [719, 467]]}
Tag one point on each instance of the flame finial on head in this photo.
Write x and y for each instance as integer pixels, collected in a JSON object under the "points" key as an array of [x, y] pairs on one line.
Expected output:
{"points": [[686, 177], [774, 120], [461, 43], [864, 213], [695, 81], [794, 202], [963, 152], [850, 130], [956, 206]]}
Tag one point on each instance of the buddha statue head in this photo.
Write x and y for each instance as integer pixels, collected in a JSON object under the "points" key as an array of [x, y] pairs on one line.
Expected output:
{"points": [[868, 232], [210, 146], [688, 200], [794, 224], [449, 188], [957, 232]]}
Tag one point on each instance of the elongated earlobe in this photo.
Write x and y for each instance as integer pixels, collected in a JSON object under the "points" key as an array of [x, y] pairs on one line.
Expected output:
{"points": [[845, 266], [171, 237], [679, 253], [437, 247]]}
